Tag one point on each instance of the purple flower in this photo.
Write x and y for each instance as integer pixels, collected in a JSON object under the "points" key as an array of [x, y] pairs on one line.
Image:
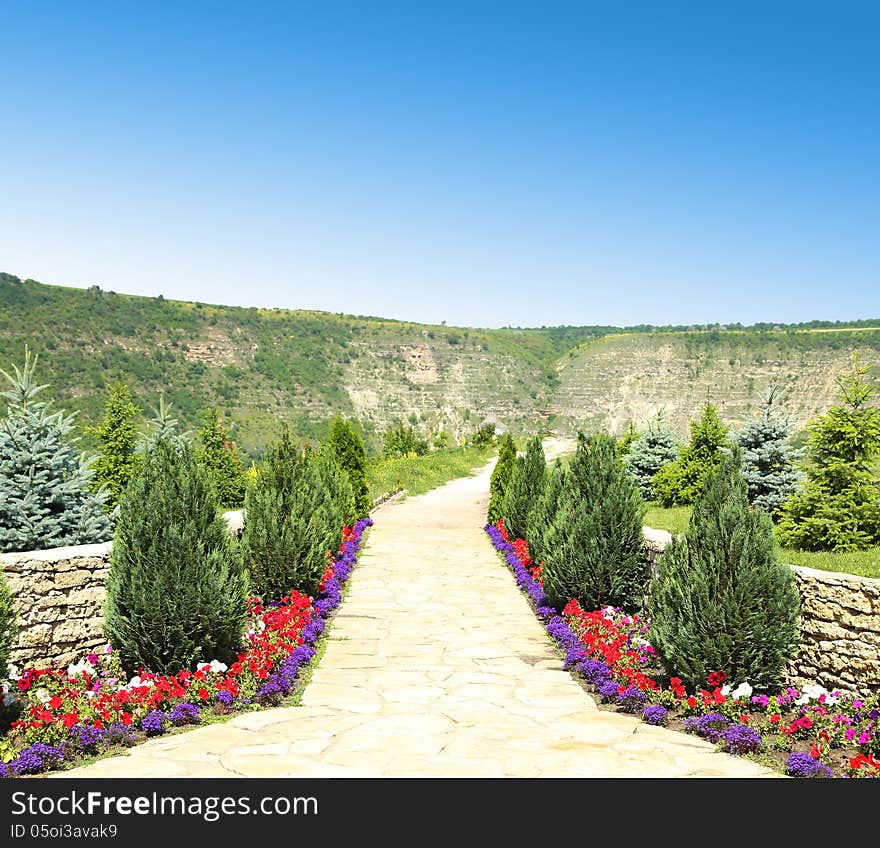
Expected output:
{"points": [[608, 690], [153, 723], [119, 734], [803, 765], [709, 726], [595, 671], [37, 758], [225, 698], [655, 714], [632, 699], [185, 714], [86, 737], [741, 739]]}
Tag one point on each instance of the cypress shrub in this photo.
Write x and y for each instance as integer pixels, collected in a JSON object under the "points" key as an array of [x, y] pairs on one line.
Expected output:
{"points": [[722, 601], [501, 477], [348, 446], [220, 458], [335, 485], [7, 626], [177, 589], [594, 549], [545, 511], [524, 489], [117, 440]]}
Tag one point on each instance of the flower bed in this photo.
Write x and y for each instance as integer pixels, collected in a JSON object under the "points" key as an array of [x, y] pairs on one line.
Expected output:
{"points": [[92, 706], [809, 732]]}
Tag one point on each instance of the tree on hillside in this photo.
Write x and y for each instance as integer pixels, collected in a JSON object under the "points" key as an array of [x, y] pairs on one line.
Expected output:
{"points": [[769, 460], [524, 489], [679, 482], [839, 507], [348, 446], [117, 441], [500, 478], [653, 449], [401, 440], [220, 458], [46, 497]]}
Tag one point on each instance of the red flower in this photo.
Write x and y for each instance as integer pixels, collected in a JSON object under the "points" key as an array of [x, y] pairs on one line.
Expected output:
{"points": [[56, 702], [69, 720], [204, 694], [775, 718], [126, 718], [815, 752], [744, 718], [716, 678], [692, 702]]}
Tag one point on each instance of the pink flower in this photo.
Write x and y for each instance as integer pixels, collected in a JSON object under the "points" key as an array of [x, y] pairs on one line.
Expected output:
{"points": [[865, 738], [850, 734], [857, 705]]}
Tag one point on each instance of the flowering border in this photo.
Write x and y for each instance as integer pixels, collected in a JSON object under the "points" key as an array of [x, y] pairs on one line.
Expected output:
{"points": [[608, 650], [91, 707]]}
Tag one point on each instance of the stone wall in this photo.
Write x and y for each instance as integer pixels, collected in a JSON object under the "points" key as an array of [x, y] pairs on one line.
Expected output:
{"points": [[840, 625], [59, 597]]}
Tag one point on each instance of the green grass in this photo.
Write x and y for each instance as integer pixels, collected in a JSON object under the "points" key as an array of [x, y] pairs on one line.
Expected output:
{"points": [[863, 563], [420, 474]]}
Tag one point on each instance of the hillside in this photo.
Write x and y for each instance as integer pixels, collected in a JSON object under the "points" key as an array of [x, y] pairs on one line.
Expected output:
{"points": [[264, 366]]}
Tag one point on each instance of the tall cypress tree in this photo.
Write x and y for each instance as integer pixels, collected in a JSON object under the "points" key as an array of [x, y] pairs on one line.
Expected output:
{"points": [[500, 478], [117, 441], [839, 508], [524, 489], [545, 511], [177, 589], [721, 600], [46, 497], [594, 549], [348, 446], [220, 458]]}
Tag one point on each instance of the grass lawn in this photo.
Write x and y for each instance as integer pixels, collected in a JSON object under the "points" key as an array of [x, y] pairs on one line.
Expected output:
{"points": [[420, 474], [864, 563]]}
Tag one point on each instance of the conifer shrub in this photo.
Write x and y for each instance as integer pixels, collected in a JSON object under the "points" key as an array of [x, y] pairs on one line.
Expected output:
{"points": [[221, 460], [593, 549], [46, 497], [348, 446], [117, 442], [722, 601], [839, 507], [679, 482], [769, 460], [525, 487], [164, 427], [290, 529], [545, 511], [177, 589], [500, 478], [7, 626], [650, 452], [334, 483]]}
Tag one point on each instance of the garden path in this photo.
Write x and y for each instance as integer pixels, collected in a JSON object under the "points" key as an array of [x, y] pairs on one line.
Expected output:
{"points": [[435, 666]]}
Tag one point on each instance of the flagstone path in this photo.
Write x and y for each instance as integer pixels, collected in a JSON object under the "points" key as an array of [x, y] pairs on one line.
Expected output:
{"points": [[435, 666]]}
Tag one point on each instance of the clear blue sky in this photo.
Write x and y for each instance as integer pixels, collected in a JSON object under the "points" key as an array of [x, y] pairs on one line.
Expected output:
{"points": [[484, 164]]}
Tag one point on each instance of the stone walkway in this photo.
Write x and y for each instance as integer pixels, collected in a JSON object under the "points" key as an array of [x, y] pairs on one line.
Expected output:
{"points": [[435, 666]]}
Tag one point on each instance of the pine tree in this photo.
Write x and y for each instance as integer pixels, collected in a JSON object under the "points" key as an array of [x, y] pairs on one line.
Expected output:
{"points": [[500, 478], [545, 511], [679, 482], [177, 590], [164, 428], [7, 626], [839, 507], [117, 440], [335, 483], [525, 487], [46, 499], [722, 601], [653, 449], [594, 549], [345, 441], [768, 459], [220, 458], [625, 442]]}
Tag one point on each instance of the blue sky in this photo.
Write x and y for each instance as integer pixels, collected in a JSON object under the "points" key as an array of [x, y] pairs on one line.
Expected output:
{"points": [[483, 164]]}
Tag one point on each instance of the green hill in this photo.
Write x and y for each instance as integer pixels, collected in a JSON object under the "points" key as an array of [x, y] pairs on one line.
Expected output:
{"points": [[264, 366]]}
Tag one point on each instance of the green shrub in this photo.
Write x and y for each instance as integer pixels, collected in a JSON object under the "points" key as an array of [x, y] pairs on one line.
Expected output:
{"points": [[401, 440], [500, 478], [177, 589], [117, 439], [348, 446], [594, 548], [721, 600], [679, 482], [525, 487], [546, 509], [289, 529], [483, 436], [7, 626], [334, 483], [652, 450], [625, 442], [839, 508], [220, 458]]}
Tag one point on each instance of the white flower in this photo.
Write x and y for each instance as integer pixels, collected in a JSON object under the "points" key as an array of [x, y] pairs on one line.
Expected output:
{"points": [[13, 672], [42, 696], [75, 669], [725, 689], [218, 667], [811, 692], [742, 691], [608, 612]]}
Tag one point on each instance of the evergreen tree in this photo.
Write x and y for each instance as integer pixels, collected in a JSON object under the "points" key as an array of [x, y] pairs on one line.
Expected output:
{"points": [[722, 601], [500, 478], [594, 548], [348, 446], [839, 508], [525, 487], [653, 449], [164, 428], [290, 531], [679, 482], [7, 626], [625, 443], [545, 511], [46, 499], [220, 458], [117, 440], [177, 590], [335, 483], [768, 459]]}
